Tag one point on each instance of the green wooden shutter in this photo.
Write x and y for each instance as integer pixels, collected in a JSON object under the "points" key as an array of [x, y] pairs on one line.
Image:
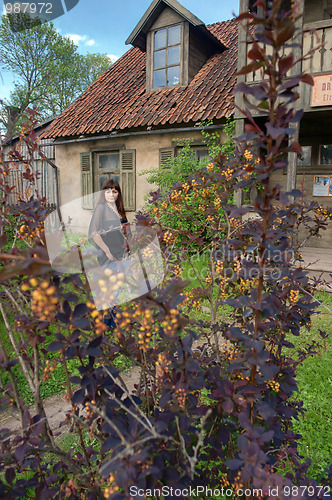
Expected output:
{"points": [[86, 181], [165, 154], [128, 178]]}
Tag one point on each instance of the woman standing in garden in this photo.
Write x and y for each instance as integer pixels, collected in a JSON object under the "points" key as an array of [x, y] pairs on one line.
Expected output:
{"points": [[108, 228]]}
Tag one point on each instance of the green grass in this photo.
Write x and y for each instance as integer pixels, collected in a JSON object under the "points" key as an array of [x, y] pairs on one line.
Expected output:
{"points": [[315, 390], [56, 382]]}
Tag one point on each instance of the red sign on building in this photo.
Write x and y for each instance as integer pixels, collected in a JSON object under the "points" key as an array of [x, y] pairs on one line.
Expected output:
{"points": [[321, 93]]}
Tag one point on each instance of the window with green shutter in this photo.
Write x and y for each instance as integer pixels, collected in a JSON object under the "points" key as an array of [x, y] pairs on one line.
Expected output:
{"points": [[86, 181], [100, 166], [165, 155]]}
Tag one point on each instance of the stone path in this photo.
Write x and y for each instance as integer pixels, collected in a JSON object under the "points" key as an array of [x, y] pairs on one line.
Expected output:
{"points": [[56, 407]]}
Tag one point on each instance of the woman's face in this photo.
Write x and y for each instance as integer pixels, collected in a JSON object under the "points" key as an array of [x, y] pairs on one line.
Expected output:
{"points": [[111, 195]]}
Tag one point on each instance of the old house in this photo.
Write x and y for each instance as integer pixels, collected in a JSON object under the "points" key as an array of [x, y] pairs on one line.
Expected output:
{"points": [[177, 74], [312, 171]]}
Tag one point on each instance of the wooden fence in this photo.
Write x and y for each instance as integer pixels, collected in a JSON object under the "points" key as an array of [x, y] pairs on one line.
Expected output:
{"points": [[46, 179]]}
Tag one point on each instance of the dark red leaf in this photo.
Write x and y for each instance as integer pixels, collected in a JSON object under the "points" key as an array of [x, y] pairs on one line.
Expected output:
{"points": [[228, 406], [55, 346], [285, 63], [21, 451], [251, 67], [10, 475], [295, 147], [307, 79], [80, 310], [274, 132], [286, 34], [255, 52]]}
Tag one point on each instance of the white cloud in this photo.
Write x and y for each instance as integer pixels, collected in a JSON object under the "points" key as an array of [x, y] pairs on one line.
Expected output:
{"points": [[113, 58], [77, 39]]}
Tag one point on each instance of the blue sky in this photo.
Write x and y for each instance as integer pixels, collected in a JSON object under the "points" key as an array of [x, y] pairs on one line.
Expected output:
{"points": [[103, 25]]}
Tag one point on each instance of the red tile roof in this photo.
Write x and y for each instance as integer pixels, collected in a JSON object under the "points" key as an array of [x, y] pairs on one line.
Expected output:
{"points": [[118, 99]]}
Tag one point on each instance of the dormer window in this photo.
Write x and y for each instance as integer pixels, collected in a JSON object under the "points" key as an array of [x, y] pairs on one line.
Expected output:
{"points": [[177, 44], [167, 56]]}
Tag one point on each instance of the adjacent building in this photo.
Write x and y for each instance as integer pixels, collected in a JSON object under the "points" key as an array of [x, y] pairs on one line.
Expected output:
{"points": [[311, 171]]}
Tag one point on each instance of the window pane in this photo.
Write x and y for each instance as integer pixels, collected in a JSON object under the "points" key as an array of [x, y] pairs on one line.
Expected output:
{"points": [[160, 39], [304, 160], [159, 78], [109, 161], [202, 154], [103, 178], [326, 154], [173, 75], [174, 35], [173, 55], [103, 161], [159, 60]]}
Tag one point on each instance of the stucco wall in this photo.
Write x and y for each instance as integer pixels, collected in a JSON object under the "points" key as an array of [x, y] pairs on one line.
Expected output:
{"points": [[67, 158]]}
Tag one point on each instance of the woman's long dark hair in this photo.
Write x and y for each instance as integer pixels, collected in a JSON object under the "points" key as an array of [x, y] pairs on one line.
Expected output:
{"points": [[113, 184]]}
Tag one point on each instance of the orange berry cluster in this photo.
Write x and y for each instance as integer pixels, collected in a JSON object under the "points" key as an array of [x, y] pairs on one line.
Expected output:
{"points": [[248, 155], [274, 385], [234, 222], [168, 237], [147, 253], [145, 333], [293, 296], [156, 212], [206, 192], [228, 173], [219, 267], [181, 396], [210, 167], [44, 302], [98, 317], [112, 488], [247, 285], [229, 351], [237, 483], [237, 266], [208, 280], [196, 305], [89, 411], [29, 233], [324, 212], [162, 367], [177, 271], [217, 203], [49, 369], [171, 321], [223, 283]]}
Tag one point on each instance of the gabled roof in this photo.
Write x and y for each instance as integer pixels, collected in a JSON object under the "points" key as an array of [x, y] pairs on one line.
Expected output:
{"points": [[118, 100], [136, 37]]}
